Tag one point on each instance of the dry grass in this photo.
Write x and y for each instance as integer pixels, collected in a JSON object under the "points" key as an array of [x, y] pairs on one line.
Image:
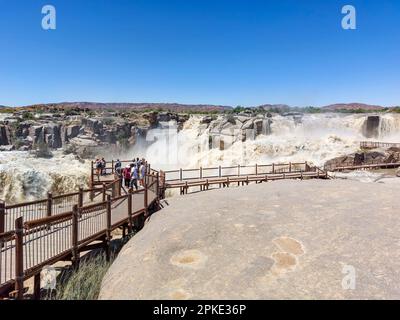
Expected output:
{"points": [[84, 283]]}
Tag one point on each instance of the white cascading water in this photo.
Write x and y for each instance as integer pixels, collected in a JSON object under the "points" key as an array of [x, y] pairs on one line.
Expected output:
{"points": [[24, 177], [317, 138]]}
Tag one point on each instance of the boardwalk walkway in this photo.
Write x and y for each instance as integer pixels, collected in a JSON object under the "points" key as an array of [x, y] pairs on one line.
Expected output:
{"points": [[39, 233], [42, 235]]}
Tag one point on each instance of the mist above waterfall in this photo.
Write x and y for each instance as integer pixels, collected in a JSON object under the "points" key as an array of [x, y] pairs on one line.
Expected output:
{"points": [[314, 137], [310, 137]]}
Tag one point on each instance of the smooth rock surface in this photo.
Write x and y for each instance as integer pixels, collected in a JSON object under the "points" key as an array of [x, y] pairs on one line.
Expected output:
{"points": [[276, 240]]}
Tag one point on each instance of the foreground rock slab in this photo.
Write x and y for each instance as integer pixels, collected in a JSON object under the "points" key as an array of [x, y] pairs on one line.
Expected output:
{"points": [[279, 240]]}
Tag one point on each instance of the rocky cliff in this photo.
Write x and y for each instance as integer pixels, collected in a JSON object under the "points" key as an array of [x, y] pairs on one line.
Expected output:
{"points": [[26, 130]]}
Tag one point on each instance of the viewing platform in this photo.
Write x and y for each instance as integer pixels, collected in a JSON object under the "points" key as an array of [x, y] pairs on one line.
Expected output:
{"points": [[39, 233]]}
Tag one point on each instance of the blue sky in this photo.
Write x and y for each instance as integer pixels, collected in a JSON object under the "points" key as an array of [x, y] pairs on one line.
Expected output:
{"points": [[230, 52]]}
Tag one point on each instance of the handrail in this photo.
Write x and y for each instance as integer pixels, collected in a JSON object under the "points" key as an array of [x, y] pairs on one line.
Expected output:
{"points": [[45, 221], [87, 223]]}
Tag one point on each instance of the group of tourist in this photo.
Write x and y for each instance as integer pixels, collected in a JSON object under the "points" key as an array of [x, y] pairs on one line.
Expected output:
{"points": [[133, 174]]}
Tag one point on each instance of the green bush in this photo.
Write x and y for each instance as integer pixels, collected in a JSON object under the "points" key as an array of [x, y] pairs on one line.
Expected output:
{"points": [[28, 116]]}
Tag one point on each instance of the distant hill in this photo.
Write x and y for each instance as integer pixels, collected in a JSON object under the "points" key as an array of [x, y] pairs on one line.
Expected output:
{"points": [[176, 107], [352, 106]]}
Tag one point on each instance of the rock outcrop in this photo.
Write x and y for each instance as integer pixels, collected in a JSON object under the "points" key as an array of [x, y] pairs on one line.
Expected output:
{"points": [[365, 158], [285, 244], [226, 130], [80, 133]]}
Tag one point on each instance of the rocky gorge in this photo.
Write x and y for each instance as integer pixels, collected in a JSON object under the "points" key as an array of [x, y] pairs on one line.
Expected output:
{"points": [[80, 134], [87, 134], [42, 148]]}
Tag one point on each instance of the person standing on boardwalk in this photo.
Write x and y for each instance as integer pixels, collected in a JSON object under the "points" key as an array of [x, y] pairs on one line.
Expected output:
{"points": [[127, 176], [103, 166], [117, 168], [142, 172], [98, 166], [134, 177]]}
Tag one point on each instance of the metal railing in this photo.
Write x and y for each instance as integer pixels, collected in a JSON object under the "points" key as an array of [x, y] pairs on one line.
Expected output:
{"points": [[234, 171], [38, 238], [38, 233]]}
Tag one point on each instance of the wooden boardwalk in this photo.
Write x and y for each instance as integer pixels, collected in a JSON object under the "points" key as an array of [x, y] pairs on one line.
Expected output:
{"points": [[43, 240], [185, 179], [40, 233]]}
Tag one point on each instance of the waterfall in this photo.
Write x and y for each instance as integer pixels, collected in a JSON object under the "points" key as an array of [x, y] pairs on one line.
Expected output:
{"points": [[310, 137]]}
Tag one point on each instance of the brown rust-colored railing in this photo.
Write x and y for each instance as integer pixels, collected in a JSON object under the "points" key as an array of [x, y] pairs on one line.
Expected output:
{"points": [[42, 239], [52, 205], [233, 171], [43, 234]]}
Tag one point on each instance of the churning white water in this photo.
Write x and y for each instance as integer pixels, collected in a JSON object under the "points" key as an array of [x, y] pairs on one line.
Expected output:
{"points": [[24, 177], [316, 138]]}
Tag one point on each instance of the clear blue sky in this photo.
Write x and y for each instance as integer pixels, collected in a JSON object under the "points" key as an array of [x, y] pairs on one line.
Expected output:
{"points": [[231, 52]]}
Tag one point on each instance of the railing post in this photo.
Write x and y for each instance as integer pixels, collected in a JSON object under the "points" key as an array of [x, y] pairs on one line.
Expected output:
{"points": [[91, 174], [36, 287], [238, 170], [290, 167], [201, 172], [2, 216], [158, 186], [219, 171], [19, 258], [162, 181], [256, 169], [49, 204], [104, 192], [80, 197], [108, 230], [130, 222], [75, 226], [180, 174], [273, 168], [146, 202]]}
